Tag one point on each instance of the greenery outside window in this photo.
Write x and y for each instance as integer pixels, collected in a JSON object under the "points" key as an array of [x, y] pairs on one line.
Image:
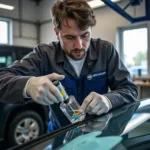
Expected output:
{"points": [[134, 49]]}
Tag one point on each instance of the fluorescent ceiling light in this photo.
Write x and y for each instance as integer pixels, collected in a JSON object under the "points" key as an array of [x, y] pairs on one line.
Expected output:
{"points": [[98, 3], [4, 6]]}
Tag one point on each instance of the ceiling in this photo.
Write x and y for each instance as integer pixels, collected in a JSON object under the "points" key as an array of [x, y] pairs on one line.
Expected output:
{"points": [[36, 1], [122, 11]]}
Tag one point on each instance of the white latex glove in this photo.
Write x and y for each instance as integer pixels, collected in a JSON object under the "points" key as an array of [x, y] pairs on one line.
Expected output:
{"points": [[42, 90], [96, 104]]}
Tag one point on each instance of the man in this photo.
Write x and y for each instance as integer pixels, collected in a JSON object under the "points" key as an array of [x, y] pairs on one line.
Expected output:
{"points": [[86, 67]]}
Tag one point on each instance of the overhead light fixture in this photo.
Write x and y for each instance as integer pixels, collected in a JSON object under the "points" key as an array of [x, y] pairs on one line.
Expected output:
{"points": [[98, 3], [4, 6]]}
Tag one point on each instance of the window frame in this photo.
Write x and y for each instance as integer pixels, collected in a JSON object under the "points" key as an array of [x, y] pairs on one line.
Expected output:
{"points": [[119, 40], [10, 31]]}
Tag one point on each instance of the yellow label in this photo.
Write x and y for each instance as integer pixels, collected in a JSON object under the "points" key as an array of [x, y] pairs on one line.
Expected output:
{"points": [[63, 93]]}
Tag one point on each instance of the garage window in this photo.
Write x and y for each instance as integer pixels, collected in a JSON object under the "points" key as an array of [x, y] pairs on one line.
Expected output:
{"points": [[134, 49], [5, 31]]}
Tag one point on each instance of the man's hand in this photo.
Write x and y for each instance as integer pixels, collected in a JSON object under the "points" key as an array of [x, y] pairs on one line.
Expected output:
{"points": [[96, 104], [42, 90]]}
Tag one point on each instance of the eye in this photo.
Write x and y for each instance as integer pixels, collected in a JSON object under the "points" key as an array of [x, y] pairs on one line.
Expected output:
{"points": [[85, 35], [69, 37]]}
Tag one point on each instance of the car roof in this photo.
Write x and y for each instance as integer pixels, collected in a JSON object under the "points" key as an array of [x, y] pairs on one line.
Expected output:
{"points": [[124, 120]]}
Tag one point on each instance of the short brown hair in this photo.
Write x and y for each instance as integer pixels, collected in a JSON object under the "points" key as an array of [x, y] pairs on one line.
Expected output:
{"points": [[79, 10]]}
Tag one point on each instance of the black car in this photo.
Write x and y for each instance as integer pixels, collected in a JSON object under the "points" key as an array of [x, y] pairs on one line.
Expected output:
{"points": [[20, 123], [125, 128]]}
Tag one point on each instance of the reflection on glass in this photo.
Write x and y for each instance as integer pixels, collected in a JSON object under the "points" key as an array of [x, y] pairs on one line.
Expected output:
{"points": [[92, 141], [9, 60], [135, 121], [2, 59], [99, 130], [112, 124], [5, 61]]}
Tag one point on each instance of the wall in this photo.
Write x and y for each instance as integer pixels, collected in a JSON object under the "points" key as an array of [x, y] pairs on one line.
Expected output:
{"points": [[47, 29], [24, 32], [107, 21], [28, 34]]}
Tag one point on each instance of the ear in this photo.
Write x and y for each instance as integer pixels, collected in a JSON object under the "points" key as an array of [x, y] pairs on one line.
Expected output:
{"points": [[57, 33]]}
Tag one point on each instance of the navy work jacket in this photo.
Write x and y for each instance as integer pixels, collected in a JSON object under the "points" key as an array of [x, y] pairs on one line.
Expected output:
{"points": [[101, 70]]}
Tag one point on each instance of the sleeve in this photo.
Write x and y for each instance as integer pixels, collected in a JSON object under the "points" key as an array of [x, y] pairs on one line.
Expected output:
{"points": [[13, 78], [25, 89], [122, 88]]}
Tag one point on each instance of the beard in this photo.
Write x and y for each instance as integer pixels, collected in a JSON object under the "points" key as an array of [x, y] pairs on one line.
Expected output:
{"points": [[76, 54]]}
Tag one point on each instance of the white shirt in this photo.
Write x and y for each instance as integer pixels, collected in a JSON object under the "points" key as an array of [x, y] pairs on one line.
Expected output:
{"points": [[77, 64]]}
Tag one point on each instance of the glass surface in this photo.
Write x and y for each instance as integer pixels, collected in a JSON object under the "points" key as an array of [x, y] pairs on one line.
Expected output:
{"points": [[135, 51], [5, 60], [130, 122]]}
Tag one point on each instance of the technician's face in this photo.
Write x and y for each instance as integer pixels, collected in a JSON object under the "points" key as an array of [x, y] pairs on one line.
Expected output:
{"points": [[74, 41]]}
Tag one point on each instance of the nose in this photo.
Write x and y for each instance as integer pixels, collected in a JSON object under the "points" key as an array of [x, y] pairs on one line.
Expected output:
{"points": [[78, 43]]}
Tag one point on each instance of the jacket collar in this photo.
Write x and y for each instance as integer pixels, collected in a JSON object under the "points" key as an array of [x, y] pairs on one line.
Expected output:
{"points": [[60, 55], [92, 51]]}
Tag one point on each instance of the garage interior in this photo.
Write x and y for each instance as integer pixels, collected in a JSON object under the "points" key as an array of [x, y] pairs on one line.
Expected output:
{"points": [[29, 23]]}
